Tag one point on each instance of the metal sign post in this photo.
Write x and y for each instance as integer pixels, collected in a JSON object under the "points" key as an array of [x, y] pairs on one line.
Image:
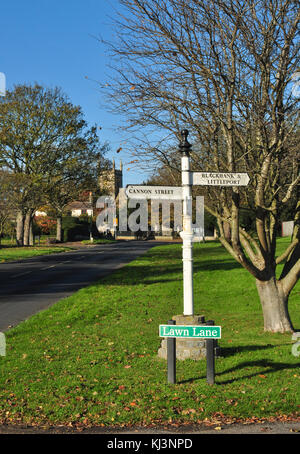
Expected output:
{"points": [[187, 232], [209, 332], [171, 356], [210, 357], [188, 180]]}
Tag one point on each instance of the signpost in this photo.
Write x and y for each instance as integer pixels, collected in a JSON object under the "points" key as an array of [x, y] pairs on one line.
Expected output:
{"points": [[203, 179], [188, 179], [153, 192], [210, 332], [187, 233]]}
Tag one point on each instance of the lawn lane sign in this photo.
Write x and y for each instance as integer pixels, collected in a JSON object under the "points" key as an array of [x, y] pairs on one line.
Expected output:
{"points": [[220, 179], [190, 331], [154, 192]]}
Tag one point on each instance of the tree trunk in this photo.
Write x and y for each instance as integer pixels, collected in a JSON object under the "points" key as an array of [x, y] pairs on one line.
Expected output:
{"points": [[275, 306], [20, 229], [59, 228], [227, 231], [31, 238], [28, 233], [27, 228]]}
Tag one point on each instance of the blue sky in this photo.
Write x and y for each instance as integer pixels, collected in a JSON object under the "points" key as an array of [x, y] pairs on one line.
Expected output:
{"points": [[54, 43]]}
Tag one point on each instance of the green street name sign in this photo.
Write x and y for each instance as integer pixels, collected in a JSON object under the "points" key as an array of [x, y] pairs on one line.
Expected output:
{"points": [[190, 331]]}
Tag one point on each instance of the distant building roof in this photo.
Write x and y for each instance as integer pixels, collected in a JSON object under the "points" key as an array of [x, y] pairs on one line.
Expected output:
{"points": [[77, 205]]}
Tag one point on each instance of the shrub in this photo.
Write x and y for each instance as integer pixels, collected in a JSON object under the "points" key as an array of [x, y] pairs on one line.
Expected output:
{"points": [[74, 228]]}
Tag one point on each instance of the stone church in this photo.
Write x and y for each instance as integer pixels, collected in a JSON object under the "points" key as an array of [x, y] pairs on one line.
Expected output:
{"points": [[110, 181]]}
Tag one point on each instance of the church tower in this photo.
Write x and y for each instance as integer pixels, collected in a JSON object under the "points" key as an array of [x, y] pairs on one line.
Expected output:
{"points": [[110, 181]]}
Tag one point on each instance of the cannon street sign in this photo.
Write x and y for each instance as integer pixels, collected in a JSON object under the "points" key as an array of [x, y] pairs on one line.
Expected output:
{"points": [[219, 179], [154, 192]]}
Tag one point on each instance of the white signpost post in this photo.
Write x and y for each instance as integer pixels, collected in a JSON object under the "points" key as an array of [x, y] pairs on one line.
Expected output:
{"points": [[188, 179], [184, 193], [187, 233], [202, 179]]}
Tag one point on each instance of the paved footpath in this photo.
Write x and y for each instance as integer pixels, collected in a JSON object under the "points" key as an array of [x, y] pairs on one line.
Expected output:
{"points": [[267, 428]]}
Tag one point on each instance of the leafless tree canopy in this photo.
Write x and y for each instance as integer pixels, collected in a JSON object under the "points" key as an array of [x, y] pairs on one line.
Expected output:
{"points": [[226, 70]]}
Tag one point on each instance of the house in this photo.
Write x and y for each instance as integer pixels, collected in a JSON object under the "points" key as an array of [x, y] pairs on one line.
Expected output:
{"points": [[110, 181], [78, 208]]}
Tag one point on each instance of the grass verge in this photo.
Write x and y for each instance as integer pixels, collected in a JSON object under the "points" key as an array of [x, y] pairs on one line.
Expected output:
{"points": [[99, 241], [18, 253], [91, 359]]}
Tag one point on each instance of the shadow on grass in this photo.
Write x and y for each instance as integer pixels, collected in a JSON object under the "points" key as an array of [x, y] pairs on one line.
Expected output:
{"points": [[267, 366], [264, 363], [231, 351], [140, 274]]}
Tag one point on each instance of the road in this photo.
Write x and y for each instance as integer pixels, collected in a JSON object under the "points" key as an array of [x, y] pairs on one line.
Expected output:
{"points": [[30, 285]]}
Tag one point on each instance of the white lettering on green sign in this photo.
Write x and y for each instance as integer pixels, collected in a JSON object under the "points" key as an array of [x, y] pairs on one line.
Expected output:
{"points": [[190, 331]]}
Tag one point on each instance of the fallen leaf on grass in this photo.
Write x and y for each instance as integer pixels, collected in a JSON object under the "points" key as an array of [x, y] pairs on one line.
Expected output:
{"points": [[133, 404], [188, 411], [232, 402]]}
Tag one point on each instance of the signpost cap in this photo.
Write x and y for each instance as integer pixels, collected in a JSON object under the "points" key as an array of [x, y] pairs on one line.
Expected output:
{"points": [[184, 145]]}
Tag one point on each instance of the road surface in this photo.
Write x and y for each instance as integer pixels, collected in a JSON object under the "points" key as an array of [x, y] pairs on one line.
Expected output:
{"points": [[30, 285]]}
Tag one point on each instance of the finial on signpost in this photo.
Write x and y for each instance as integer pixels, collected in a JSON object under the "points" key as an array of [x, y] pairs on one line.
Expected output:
{"points": [[184, 145]]}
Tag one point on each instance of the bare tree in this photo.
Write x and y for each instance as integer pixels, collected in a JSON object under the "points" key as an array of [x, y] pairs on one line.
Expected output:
{"points": [[223, 69]]}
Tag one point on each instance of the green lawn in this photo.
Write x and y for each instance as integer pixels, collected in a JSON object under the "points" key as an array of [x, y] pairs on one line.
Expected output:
{"points": [[98, 241], [19, 253], [92, 357]]}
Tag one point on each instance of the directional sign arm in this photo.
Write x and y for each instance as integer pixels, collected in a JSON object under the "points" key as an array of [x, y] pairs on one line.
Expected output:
{"points": [[154, 192], [220, 179]]}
